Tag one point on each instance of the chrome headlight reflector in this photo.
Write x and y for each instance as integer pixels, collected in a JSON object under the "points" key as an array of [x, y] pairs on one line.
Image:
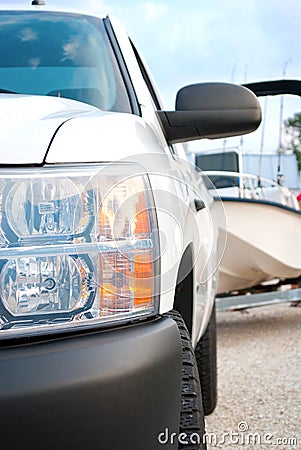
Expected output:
{"points": [[78, 247]]}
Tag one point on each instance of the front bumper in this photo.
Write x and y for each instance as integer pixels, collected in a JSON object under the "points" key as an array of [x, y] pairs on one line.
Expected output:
{"points": [[115, 389]]}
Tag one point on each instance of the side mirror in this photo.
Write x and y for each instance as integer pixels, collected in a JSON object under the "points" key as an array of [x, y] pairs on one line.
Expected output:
{"points": [[211, 110]]}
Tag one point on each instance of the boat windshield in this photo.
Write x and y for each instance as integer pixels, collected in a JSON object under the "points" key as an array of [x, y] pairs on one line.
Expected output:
{"points": [[62, 55]]}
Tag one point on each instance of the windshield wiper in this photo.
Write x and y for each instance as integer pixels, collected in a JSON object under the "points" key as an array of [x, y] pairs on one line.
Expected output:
{"points": [[6, 91]]}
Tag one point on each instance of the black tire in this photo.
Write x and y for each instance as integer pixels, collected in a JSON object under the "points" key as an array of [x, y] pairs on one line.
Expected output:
{"points": [[205, 353], [191, 411]]}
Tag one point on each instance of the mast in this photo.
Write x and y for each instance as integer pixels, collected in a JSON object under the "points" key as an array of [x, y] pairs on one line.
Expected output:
{"points": [[279, 174], [245, 80], [262, 135]]}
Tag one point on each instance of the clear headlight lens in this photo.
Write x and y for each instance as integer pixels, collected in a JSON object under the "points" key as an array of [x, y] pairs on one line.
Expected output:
{"points": [[48, 284], [46, 206], [78, 247]]}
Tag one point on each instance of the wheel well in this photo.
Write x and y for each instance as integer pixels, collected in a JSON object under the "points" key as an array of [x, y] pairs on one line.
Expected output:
{"points": [[183, 302]]}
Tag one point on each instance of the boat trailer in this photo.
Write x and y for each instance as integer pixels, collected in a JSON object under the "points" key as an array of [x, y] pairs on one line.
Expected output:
{"points": [[262, 295]]}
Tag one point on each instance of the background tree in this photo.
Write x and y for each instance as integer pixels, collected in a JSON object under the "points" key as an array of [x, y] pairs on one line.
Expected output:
{"points": [[292, 127]]}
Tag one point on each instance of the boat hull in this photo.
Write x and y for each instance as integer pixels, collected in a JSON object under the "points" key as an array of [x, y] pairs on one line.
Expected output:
{"points": [[263, 243]]}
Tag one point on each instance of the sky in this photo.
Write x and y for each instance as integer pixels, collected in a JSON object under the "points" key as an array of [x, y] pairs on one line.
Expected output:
{"points": [[191, 41]]}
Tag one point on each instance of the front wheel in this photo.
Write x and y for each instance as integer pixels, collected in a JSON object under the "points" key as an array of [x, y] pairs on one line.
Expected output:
{"points": [[192, 425], [205, 353]]}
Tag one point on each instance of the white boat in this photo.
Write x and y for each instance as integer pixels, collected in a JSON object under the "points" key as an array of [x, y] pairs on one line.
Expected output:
{"points": [[263, 227], [263, 219]]}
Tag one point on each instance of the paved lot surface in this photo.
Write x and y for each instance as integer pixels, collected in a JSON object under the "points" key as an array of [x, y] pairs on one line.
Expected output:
{"points": [[259, 369]]}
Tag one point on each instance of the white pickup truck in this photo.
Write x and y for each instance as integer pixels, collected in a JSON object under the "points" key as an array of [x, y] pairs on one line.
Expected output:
{"points": [[108, 240]]}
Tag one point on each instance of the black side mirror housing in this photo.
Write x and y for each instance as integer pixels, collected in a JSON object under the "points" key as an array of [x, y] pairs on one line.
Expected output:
{"points": [[211, 110]]}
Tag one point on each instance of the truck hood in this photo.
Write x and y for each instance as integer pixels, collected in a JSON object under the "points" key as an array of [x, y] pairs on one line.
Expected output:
{"points": [[29, 123]]}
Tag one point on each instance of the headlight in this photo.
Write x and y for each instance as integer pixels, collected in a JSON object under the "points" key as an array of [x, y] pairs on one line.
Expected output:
{"points": [[78, 247]]}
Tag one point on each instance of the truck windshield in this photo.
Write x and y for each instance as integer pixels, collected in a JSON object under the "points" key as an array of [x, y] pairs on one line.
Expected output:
{"points": [[62, 55]]}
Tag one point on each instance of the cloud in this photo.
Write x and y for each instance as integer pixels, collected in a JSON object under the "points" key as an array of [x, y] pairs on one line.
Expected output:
{"points": [[99, 5], [70, 49], [154, 10], [96, 6], [28, 34], [34, 62]]}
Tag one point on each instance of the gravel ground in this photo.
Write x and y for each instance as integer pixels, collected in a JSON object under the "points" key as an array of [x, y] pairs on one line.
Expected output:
{"points": [[259, 370]]}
